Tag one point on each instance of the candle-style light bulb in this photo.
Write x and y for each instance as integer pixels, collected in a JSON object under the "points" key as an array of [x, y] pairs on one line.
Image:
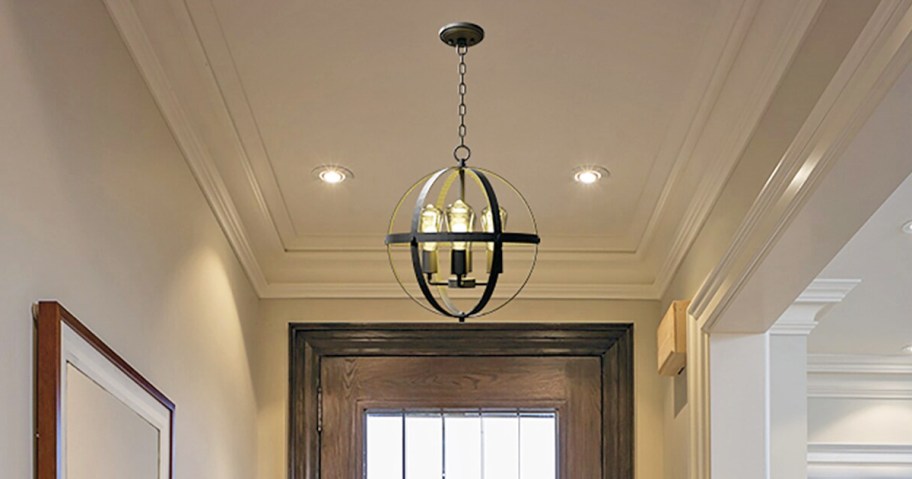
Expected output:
{"points": [[487, 224], [460, 219], [431, 221]]}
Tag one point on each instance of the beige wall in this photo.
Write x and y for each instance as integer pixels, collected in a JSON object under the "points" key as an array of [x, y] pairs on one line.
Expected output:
{"points": [[99, 210], [271, 364]]}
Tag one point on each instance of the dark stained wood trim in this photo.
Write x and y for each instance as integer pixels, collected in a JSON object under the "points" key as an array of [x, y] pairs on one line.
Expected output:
{"points": [[48, 440], [49, 319], [612, 342], [618, 408]]}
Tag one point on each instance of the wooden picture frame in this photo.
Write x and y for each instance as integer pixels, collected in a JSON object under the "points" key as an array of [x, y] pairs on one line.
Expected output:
{"points": [[611, 342], [61, 341]]}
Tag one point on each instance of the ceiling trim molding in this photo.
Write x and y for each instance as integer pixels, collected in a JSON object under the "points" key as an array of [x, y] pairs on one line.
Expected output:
{"points": [[137, 40], [394, 291], [793, 327], [257, 167], [734, 143], [698, 119], [859, 376], [859, 364], [846, 392], [801, 317], [871, 66], [851, 461], [828, 453], [827, 290]]}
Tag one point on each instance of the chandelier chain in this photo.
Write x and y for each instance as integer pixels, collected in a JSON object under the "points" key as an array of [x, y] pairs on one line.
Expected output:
{"points": [[462, 151]]}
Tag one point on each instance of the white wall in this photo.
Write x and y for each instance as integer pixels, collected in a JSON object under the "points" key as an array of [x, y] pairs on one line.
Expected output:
{"points": [[860, 421], [859, 417], [99, 210], [271, 365]]}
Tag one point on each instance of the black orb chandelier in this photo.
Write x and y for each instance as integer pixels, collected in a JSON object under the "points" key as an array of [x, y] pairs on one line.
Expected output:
{"points": [[441, 237]]}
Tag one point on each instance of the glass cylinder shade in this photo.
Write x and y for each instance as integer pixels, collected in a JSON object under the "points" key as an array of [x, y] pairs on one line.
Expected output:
{"points": [[460, 219], [445, 282], [430, 222], [487, 225]]}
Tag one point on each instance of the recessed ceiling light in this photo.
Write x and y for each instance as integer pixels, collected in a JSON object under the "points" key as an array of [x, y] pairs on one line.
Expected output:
{"points": [[907, 349], [588, 175], [907, 228], [332, 174]]}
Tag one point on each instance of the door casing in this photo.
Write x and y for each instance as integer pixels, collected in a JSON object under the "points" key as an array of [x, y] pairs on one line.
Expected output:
{"points": [[311, 342]]}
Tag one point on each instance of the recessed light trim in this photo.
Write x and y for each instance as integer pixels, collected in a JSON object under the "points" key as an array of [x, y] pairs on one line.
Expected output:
{"points": [[907, 228], [907, 349], [332, 174], [589, 174]]}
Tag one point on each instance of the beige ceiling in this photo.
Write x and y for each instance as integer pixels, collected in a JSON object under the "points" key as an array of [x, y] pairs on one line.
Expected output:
{"points": [[663, 94]]}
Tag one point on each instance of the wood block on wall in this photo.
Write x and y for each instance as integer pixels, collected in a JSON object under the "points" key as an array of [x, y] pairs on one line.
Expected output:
{"points": [[672, 339]]}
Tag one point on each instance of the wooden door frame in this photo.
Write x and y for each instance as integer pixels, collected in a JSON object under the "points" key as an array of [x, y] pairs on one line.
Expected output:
{"points": [[310, 342]]}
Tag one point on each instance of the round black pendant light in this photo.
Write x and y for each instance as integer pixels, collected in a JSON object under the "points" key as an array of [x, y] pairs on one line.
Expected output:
{"points": [[446, 286]]}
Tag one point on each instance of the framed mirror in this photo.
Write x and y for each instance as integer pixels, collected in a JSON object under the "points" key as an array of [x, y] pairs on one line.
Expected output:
{"points": [[96, 416]]}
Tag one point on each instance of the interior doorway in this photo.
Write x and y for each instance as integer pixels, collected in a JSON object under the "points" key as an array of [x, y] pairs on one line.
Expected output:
{"points": [[503, 401]]}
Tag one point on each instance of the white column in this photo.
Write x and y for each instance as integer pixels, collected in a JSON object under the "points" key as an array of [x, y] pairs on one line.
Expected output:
{"points": [[788, 402], [758, 391], [788, 375], [739, 412]]}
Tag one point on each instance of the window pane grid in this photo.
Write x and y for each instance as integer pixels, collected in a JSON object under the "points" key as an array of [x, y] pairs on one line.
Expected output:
{"points": [[461, 444]]}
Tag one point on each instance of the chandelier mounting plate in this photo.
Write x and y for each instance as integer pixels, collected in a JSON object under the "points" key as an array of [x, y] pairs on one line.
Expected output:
{"points": [[462, 33]]}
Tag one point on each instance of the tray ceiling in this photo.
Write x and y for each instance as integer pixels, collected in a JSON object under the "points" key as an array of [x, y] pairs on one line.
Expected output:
{"points": [[662, 94]]}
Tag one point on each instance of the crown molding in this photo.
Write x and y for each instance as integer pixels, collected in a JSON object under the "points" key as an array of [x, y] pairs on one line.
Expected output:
{"points": [[827, 290], [859, 364], [732, 144], [875, 60], [859, 376], [801, 317], [851, 461], [861, 392], [394, 291], [202, 165], [793, 327], [819, 453], [709, 84]]}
